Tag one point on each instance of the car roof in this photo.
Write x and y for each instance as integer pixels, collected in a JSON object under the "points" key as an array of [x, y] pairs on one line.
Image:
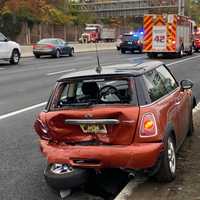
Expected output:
{"points": [[130, 69]]}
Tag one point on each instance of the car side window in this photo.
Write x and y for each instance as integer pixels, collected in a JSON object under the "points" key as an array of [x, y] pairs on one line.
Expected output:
{"points": [[155, 85], [2, 37], [168, 80]]}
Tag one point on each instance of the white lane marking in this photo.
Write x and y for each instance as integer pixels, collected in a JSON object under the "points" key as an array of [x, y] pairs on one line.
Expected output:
{"points": [[1, 68], [129, 188], [42, 104], [22, 110], [132, 59], [181, 61], [60, 72]]}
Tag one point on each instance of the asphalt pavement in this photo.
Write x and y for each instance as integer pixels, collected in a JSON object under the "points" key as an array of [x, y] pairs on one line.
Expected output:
{"points": [[24, 89]]}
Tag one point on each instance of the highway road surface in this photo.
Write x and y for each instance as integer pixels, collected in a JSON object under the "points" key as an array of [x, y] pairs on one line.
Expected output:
{"points": [[24, 89]]}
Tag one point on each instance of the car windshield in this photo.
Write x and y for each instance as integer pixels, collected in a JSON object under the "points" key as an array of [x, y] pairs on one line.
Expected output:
{"points": [[48, 41], [99, 91], [130, 38]]}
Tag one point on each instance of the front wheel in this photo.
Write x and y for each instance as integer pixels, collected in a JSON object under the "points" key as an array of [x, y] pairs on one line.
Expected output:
{"points": [[167, 168], [63, 177], [71, 53], [14, 60]]}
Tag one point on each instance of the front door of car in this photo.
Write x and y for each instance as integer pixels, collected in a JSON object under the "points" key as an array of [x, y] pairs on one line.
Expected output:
{"points": [[180, 99], [65, 49], [4, 47]]}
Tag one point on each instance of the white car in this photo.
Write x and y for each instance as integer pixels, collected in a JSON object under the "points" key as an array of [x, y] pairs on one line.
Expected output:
{"points": [[9, 50]]}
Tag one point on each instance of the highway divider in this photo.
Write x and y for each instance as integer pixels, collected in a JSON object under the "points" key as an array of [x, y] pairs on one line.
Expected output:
{"points": [[27, 51]]}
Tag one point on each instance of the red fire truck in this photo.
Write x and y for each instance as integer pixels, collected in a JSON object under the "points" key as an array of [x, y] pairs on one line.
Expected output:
{"points": [[197, 39], [167, 34]]}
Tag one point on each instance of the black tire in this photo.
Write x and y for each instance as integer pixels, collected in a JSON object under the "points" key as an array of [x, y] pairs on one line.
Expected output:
{"points": [[71, 53], [166, 173], [152, 55], [118, 48], [14, 60], [37, 56], [57, 54], [66, 180], [123, 51], [191, 125], [190, 52], [181, 52]]}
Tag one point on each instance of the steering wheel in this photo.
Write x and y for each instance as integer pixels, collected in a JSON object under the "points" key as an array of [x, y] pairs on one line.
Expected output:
{"points": [[106, 90]]}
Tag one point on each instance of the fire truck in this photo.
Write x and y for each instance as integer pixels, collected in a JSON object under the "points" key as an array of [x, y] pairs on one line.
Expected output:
{"points": [[167, 34], [197, 39]]}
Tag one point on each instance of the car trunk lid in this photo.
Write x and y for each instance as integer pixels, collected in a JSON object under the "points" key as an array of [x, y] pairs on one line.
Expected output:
{"points": [[115, 125]]}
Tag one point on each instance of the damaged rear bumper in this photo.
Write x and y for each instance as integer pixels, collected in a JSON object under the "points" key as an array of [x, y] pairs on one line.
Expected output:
{"points": [[136, 156]]}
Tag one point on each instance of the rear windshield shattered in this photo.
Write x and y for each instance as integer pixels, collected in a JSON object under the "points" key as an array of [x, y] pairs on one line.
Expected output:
{"points": [[92, 92]]}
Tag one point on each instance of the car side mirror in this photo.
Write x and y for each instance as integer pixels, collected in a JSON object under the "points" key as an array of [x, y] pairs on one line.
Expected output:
{"points": [[186, 84], [6, 40]]}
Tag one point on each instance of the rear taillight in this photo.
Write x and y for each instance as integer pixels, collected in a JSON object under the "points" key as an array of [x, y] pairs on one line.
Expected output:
{"points": [[42, 129], [148, 126], [34, 46], [50, 46]]}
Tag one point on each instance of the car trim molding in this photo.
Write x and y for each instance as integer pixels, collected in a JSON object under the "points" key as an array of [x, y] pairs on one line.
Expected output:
{"points": [[91, 121]]}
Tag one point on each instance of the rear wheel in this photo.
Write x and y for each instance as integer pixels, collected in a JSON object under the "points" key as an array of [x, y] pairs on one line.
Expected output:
{"points": [[190, 52], [14, 60], [57, 54], [167, 169], [181, 52], [123, 51], [63, 177]]}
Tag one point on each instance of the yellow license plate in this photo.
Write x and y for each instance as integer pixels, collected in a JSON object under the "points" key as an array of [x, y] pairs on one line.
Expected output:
{"points": [[93, 128]]}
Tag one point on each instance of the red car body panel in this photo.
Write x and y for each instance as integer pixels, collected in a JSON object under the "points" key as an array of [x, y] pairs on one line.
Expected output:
{"points": [[122, 133], [136, 156]]}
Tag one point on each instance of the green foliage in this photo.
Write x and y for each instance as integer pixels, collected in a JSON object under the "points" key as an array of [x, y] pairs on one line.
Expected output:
{"points": [[14, 27], [194, 10], [15, 12]]}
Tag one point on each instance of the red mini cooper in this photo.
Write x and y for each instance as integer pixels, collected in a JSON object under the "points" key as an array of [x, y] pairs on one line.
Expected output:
{"points": [[131, 116]]}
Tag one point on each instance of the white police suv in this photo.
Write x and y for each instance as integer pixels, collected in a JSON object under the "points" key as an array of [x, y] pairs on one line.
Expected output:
{"points": [[9, 50]]}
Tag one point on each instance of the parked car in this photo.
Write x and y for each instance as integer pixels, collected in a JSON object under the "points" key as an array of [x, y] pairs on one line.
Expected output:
{"points": [[131, 42], [52, 46], [132, 116], [9, 50]]}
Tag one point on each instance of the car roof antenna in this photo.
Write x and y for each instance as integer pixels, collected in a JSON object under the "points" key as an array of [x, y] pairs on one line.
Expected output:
{"points": [[98, 68]]}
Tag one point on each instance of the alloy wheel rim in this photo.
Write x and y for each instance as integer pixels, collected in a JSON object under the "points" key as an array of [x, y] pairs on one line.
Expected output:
{"points": [[171, 156], [16, 57], [61, 169], [57, 54]]}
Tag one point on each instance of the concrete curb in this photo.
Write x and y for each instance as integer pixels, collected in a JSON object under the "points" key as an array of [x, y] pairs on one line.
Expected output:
{"points": [[79, 48]]}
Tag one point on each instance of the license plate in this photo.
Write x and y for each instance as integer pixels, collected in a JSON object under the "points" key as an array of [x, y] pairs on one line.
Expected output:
{"points": [[129, 42], [93, 128]]}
